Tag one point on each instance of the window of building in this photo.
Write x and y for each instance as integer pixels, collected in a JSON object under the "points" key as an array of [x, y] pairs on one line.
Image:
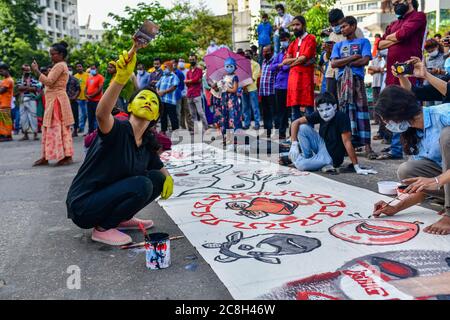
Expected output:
{"points": [[56, 5], [372, 5], [50, 21], [65, 24], [63, 7], [360, 19], [39, 19], [350, 8], [58, 23], [362, 6], [48, 4]]}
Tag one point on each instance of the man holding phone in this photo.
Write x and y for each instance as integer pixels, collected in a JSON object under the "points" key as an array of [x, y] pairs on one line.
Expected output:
{"points": [[404, 38]]}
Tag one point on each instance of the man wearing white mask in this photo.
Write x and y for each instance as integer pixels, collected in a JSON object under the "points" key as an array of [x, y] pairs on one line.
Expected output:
{"points": [[282, 22], [143, 77], [324, 150]]}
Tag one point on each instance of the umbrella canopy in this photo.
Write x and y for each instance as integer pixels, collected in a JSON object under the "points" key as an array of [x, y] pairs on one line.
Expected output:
{"points": [[216, 69]]}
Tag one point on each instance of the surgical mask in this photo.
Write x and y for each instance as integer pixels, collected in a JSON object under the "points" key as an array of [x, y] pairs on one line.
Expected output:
{"points": [[337, 29], [230, 69], [93, 72], [327, 111], [434, 54], [401, 9], [71, 73], [141, 72], [181, 65], [166, 71], [284, 44], [398, 127]]}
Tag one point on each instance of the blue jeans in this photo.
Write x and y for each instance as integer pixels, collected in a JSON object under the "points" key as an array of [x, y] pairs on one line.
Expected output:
{"points": [[396, 146], [277, 44], [250, 102], [82, 114], [92, 108], [15, 115], [315, 154]]}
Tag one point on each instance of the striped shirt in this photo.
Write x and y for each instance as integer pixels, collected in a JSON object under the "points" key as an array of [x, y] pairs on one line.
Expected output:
{"points": [[30, 82], [267, 85], [165, 83]]}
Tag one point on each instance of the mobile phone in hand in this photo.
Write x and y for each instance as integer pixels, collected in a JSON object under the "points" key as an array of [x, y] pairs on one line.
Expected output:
{"points": [[404, 68], [147, 32]]}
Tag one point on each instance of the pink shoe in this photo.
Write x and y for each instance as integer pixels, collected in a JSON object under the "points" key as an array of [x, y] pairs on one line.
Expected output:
{"points": [[133, 224], [112, 237]]}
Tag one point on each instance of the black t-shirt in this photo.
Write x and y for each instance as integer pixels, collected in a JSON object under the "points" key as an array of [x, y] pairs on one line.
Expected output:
{"points": [[111, 158], [332, 132], [430, 93]]}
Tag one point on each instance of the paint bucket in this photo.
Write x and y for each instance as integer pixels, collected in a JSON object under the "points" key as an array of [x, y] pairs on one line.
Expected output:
{"points": [[388, 188], [157, 251]]}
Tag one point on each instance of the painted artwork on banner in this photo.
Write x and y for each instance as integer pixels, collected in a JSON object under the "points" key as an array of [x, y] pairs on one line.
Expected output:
{"points": [[267, 248], [396, 275], [375, 232], [268, 210], [274, 232]]}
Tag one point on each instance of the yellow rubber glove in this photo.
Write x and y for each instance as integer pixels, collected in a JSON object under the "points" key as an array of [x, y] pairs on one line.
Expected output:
{"points": [[125, 68], [167, 188]]}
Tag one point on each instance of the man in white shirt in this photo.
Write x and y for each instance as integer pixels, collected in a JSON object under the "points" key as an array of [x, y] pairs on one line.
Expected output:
{"points": [[212, 47], [282, 22], [377, 69]]}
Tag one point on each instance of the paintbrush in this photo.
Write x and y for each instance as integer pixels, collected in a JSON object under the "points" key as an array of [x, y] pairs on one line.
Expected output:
{"points": [[389, 203], [141, 244]]}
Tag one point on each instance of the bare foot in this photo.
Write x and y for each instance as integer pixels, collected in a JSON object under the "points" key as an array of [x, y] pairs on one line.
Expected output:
{"points": [[442, 227]]}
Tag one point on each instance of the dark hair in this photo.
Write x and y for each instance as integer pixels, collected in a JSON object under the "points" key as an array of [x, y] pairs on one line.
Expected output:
{"points": [[433, 43], [279, 6], [253, 47], [95, 64], [438, 35], [325, 98], [79, 64], [193, 55], [153, 144], [398, 104], [61, 48], [415, 4], [377, 35], [265, 15], [302, 20], [351, 21], [284, 35], [157, 59], [4, 66], [335, 15]]}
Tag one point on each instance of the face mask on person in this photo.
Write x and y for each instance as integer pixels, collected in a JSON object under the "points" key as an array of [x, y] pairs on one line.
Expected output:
{"points": [[399, 127], [327, 111], [401, 9], [337, 29], [145, 106], [141, 72], [181, 65], [71, 73], [93, 72], [230, 69], [280, 13], [284, 44], [434, 54], [166, 71], [193, 63]]}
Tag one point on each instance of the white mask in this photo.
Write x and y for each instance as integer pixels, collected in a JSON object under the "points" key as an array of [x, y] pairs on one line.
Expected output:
{"points": [[399, 127], [327, 111], [434, 53]]}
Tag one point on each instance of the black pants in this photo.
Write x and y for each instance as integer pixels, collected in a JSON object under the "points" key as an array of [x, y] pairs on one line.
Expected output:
{"points": [[332, 87], [268, 107], [170, 110], [91, 110], [74, 105], [282, 112], [118, 202]]}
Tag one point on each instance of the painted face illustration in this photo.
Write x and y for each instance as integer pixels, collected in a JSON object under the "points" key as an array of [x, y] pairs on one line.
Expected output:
{"points": [[265, 248], [327, 111], [145, 106], [262, 207], [375, 232]]}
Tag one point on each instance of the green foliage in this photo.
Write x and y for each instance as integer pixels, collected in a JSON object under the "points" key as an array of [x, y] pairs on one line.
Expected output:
{"points": [[301, 7], [317, 20]]}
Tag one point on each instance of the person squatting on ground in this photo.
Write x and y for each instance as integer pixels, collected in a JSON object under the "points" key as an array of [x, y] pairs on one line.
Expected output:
{"points": [[425, 135], [311, 151], [57, 143], [122, 172]]}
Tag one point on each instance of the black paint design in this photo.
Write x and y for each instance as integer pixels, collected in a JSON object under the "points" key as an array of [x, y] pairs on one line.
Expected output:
{"points": [[265, 248]]}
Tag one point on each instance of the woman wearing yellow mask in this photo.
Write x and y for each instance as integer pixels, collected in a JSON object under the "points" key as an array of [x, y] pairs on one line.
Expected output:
{"points": [[122, 172]]}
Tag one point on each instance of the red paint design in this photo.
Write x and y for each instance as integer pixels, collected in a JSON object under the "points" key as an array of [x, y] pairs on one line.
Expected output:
{"points": [[303, 210]]}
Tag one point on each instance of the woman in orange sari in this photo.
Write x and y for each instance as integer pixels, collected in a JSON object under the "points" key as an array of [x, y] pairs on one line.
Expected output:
{"points": [[57, 143]]}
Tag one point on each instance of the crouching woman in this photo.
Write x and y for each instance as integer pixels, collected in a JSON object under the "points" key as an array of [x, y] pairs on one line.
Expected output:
{"points": [[122, 172]]}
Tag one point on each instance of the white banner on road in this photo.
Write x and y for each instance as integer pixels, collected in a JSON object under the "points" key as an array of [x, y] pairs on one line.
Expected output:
{"points": [[277, 233]]}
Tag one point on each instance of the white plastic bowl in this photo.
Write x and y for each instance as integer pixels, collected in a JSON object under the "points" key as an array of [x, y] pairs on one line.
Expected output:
{"points": [[388, 188]]}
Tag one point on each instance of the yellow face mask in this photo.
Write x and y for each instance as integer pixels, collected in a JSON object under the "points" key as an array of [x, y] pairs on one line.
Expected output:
{"points": [[145, 106]]}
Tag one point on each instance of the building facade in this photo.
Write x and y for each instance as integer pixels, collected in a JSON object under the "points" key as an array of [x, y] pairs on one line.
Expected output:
{"points": [[59, 19]]}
